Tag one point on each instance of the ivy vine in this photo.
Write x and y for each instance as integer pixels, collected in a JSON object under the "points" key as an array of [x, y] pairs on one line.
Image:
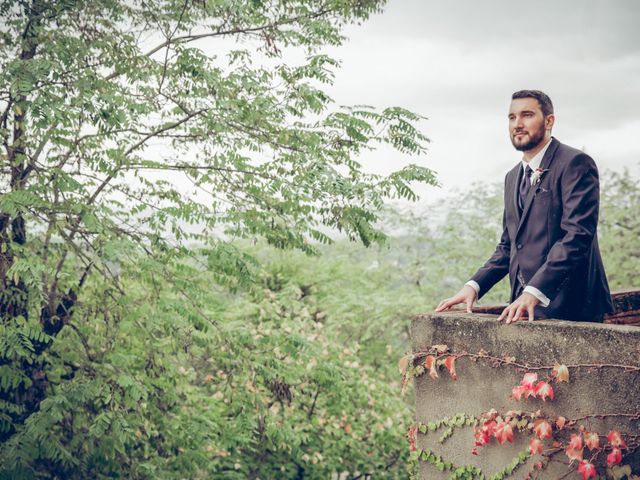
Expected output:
{"points": [[583, 448]]}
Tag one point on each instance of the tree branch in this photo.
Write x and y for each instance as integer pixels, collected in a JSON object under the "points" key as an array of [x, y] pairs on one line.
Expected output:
{"points": [[137, 145], [83, 340], [166, 54], [313, 405], [233, 31]]}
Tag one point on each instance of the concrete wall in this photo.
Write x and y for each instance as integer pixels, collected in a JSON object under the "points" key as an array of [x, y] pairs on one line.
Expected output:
{"points": [[481, 387]]}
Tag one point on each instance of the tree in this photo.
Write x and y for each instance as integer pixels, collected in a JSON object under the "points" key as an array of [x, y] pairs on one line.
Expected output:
{"points": [[619, 229], [126, 144]]}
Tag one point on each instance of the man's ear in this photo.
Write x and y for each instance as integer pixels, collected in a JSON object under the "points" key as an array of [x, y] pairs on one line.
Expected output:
{"points": [[549, 120]]}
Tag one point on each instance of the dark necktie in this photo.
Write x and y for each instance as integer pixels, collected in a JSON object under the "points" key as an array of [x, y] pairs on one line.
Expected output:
{"points": [[525, 185]]}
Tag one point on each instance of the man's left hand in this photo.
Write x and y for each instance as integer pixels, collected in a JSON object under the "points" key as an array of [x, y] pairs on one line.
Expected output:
{"points": [[525, 303]]}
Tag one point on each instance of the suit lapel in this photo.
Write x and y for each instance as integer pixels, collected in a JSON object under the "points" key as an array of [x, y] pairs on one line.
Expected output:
{"points": [[516, 175], [544, 165]]}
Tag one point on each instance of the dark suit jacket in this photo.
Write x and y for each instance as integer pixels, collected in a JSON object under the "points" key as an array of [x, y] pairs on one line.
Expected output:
{"points": [[553, 244]]}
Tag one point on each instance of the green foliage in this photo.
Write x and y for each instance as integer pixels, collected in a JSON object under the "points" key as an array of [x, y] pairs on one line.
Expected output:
{"points": [[506, 472], [619, 229], [237, 136], [467, 472], [138, 340], [231, 386], [372, 292]]}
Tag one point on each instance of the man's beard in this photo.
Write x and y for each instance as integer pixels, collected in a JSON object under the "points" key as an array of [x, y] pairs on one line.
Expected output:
{"points": [[535, 138]]}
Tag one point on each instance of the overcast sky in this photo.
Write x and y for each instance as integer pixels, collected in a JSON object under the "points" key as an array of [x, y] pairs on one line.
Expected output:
{"points": [[457, 62]]}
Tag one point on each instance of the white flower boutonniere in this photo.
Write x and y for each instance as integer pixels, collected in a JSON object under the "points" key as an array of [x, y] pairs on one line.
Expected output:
{"points": [[536, 176]]}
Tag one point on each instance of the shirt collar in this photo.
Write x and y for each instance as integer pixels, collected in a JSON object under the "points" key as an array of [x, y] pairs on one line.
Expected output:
{"points": [[535, 161]]}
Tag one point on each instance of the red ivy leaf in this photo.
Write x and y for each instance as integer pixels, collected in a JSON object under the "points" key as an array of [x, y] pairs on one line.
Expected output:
{"points": [[403, 363], [573, 454], [535, 446], [615, 457], [544, 390], [429, 360], [529, 380], [430, 364], [518, 392], [560, 421], [592, 440], [504, 433], [615, 439], [574, 451], [560, 373], [484, 433], [576, 442], [450, 364], [542, 429], [587, 470]]}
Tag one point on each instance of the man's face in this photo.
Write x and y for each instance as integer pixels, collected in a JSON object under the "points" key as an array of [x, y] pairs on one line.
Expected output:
{"points": [[527, 124]]}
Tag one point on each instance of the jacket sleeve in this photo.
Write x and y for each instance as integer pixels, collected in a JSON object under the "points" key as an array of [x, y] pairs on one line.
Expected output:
{"points": [[580, 197], [497, 266]]}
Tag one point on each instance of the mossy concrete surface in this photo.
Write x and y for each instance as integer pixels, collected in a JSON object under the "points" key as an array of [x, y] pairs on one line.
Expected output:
{"points": [[599, 386]]}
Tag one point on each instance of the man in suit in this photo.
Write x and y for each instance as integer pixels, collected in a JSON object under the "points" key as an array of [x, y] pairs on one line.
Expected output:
{"points": [[549, 244]]}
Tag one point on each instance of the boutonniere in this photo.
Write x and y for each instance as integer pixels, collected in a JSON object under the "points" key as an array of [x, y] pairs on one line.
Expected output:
{"points": [[536, 176]]}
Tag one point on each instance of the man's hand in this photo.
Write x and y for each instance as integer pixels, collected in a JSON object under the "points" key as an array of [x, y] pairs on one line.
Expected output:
{"points": [[467, 295], [525, 303]]}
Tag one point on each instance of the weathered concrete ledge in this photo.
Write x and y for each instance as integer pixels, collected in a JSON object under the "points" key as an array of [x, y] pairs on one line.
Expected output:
{"points": [[606, 390], [626, 304]]}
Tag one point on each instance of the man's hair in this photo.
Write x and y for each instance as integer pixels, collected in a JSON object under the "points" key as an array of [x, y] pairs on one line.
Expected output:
{"points": [[543, 99]]}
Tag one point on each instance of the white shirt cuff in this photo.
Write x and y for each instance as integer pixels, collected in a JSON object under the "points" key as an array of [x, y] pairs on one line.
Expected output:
{"points": [[473, 284], [544, 301]]}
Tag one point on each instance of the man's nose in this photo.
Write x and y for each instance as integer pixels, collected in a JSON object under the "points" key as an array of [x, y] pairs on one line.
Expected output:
{"points": [[517, 123]]}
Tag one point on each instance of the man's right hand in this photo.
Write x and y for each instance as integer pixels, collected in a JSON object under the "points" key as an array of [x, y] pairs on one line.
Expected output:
{"points": [[467, 296]]}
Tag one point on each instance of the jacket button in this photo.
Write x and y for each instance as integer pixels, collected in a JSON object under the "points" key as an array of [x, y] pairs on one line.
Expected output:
{"points": [[519, 246]]}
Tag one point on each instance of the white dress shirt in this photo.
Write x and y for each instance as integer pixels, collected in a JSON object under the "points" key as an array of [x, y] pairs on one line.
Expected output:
{"points": [[533, 163]]}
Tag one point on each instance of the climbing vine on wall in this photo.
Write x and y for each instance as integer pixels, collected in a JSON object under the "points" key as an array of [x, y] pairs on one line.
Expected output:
{"points": [[587, 451]]}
